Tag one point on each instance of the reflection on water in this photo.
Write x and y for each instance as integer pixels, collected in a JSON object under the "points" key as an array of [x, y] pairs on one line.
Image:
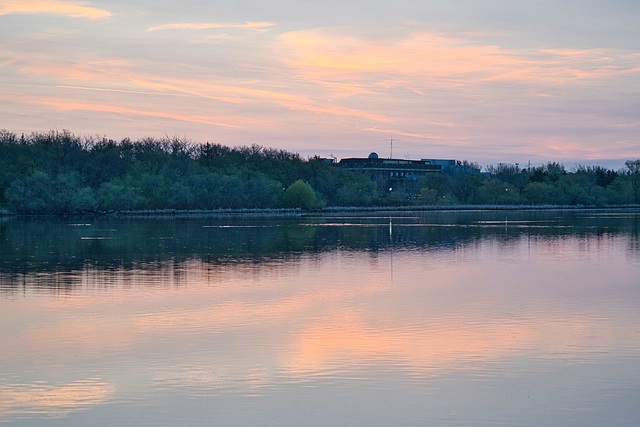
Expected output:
{"points": [[50, 401], [464, 318]]}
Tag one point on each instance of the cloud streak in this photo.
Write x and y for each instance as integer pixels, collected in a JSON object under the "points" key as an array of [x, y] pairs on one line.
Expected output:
{"points": [[66, 8], [100, 89], [256, 26], [70, 105], [412, 135]]}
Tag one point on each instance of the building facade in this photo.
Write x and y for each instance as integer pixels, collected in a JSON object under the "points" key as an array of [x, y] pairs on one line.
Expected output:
{"points": [[391, 174]]}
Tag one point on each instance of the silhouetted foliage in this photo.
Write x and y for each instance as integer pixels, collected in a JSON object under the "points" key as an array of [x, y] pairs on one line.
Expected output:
{"points": [[508, 173], [59, 172]]}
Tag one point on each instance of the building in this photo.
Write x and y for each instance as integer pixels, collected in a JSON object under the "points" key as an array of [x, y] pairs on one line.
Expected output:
{"points": [[445, 163], [453, 167], [390, 174]]}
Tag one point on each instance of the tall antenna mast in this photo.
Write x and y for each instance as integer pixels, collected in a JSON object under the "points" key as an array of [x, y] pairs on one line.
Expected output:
{"points": [[391, 141]]}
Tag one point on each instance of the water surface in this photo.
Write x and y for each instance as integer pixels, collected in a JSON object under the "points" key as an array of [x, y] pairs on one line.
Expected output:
{"points": [[439, 318]]}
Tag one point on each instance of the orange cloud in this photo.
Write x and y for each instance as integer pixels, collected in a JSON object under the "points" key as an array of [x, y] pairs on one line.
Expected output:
{"points": [[212, 25], [574, 52], [429, 55], [66, 8], [433, 57]]}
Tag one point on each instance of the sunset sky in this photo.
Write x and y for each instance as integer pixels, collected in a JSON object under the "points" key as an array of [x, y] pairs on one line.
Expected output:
{"points": [[488, 81]]}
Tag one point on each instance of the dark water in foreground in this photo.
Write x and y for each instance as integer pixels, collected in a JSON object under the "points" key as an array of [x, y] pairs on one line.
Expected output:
{"points": [[463, 318]]}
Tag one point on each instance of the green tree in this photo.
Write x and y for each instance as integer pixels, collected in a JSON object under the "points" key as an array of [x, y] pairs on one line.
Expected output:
{"points": [[300, 195], [498, 192], [576, 189], [31, 194], [434, 187], [69, 195], [539, 193], [38, 193], [356, 193], [554, 171], [634, 178], [464, 187], [508, 173], [119, 194]]}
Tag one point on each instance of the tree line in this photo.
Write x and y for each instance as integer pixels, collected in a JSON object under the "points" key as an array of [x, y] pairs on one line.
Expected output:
{"points": [[550, 184], [59, 172]]}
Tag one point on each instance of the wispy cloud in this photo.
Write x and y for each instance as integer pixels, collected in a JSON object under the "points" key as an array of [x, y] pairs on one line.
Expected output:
{"points": [[118, 75], [73, 9], [257, 26], [567, 147], [213, 39], [239, 94], [574, 52], [629, 125], [100, 89], [70, 105], [233, 94], [93, 69], [435, 57], [396, 132]]}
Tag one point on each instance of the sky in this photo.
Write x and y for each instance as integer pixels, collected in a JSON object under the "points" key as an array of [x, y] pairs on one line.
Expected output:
{"points": [[488, 81]]}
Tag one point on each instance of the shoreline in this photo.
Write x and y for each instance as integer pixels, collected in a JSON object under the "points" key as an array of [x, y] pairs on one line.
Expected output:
{"points": [[297, 212]]}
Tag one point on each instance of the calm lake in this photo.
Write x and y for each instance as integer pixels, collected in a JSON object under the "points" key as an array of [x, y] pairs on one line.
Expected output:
{"points": [[394, 319]]}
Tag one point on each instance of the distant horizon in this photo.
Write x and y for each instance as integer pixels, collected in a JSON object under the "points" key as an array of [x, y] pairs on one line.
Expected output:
{"points": [[614, 164]]}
